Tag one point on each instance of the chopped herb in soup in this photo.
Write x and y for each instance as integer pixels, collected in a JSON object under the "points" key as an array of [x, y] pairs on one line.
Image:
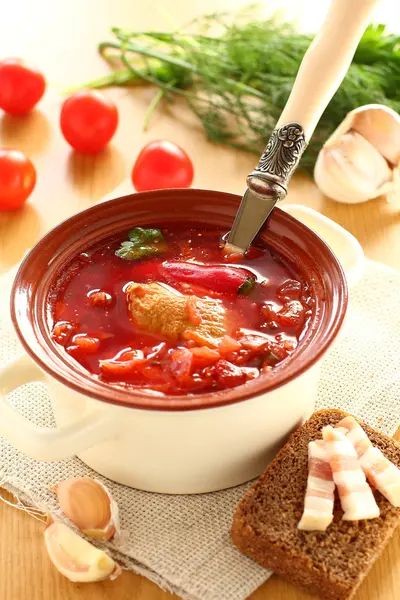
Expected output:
{"points": [[141, 243], [167, 310]]}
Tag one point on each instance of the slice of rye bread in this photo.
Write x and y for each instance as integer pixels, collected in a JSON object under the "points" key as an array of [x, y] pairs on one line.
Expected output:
{"points": [[330, 564]]}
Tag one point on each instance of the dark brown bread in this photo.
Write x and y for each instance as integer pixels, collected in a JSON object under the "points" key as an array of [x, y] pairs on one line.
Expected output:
{"points": [[330, 564]]}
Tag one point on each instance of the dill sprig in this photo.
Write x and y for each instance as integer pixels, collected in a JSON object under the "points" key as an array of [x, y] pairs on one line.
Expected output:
{"points": [[236, 72]]}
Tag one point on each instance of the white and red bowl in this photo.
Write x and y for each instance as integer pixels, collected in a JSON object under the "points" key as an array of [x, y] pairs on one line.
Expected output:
{"points": [[175, 445]]}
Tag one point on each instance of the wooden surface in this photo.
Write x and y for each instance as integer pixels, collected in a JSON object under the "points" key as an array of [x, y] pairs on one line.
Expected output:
{"points": [[61, 38]]}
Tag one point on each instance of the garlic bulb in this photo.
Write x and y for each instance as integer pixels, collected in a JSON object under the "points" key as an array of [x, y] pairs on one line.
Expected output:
{"points": [[361, 159], [75, 558], [90, 506]]}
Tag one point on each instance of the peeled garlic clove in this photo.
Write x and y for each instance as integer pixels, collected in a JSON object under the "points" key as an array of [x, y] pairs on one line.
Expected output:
{"points": [[351, 170], [360, 159], [379, 125], [75, 558], [90, 506]]}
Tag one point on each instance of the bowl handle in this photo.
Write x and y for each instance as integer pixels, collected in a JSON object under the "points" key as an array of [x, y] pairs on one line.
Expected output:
{"points": [[44, 443]]}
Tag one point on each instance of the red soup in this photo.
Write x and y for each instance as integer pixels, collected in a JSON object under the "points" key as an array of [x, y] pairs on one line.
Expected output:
{"points": [[169, 310]]}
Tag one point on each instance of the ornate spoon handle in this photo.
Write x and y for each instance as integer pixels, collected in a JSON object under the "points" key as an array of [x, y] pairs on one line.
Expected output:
{"points": [[321, 72], [278, 161]]}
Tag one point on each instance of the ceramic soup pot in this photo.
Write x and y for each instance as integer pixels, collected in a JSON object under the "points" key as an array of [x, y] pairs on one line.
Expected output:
{"points": [[174, 445]]}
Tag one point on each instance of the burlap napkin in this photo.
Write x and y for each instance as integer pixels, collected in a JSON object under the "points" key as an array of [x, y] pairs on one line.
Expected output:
{"points": [[182, 542]]}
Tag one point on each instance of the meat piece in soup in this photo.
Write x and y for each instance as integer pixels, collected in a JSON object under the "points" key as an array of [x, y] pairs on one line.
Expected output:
{"points": [[161, 310]]}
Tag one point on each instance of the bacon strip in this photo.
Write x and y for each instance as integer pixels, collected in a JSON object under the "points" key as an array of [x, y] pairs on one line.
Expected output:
{"points": [[356, 496], [380, 471], [319, 498]]}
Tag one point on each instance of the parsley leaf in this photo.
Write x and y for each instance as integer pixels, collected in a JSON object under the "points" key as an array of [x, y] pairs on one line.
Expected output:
{"points": [[142, 242], [140, 235]]}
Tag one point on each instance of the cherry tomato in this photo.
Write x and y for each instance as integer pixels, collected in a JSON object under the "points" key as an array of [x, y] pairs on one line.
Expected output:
{"points": [[17, 179], [21, 86], [88, 121], [161, 165]]}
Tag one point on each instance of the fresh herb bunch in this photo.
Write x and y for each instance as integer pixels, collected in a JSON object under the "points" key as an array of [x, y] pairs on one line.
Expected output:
{"points": [[237, 80]]}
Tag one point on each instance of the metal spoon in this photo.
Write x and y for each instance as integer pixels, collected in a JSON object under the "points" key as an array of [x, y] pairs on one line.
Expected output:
{"points": [[321, 72]]}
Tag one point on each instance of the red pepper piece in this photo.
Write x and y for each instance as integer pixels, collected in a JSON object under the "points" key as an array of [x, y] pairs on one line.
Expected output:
{"points": [[291, 315], [229, 375], [145, 271], [226, 280], [255, 343]]}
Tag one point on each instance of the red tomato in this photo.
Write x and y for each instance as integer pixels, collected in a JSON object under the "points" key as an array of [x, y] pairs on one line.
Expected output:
{"points": [[21, 86], [17, 179], [88, 121], [162, 165]]}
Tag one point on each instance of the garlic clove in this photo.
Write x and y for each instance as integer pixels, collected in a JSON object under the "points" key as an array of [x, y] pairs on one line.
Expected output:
{"points": [[75, 558], [379, 125], [363, 163], [349, 169], [361, 158], [90, 506], [327, 176]]}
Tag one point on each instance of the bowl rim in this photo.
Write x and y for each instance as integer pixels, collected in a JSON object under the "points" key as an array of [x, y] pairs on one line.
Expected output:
{"points": [[29, 315]]}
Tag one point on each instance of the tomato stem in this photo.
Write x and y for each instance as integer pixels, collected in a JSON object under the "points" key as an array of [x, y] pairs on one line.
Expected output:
{"points": [[247, 286]]}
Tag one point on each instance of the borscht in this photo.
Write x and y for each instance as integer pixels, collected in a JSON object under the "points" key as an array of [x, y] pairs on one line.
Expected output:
{"points": [[171, 311]]}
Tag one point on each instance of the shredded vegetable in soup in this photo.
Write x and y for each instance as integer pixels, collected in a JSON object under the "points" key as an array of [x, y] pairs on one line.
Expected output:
{"points": [[170, 310]]}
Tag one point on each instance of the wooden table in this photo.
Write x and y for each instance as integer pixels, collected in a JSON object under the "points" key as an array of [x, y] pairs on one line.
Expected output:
{"points": [[61, 37]]}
